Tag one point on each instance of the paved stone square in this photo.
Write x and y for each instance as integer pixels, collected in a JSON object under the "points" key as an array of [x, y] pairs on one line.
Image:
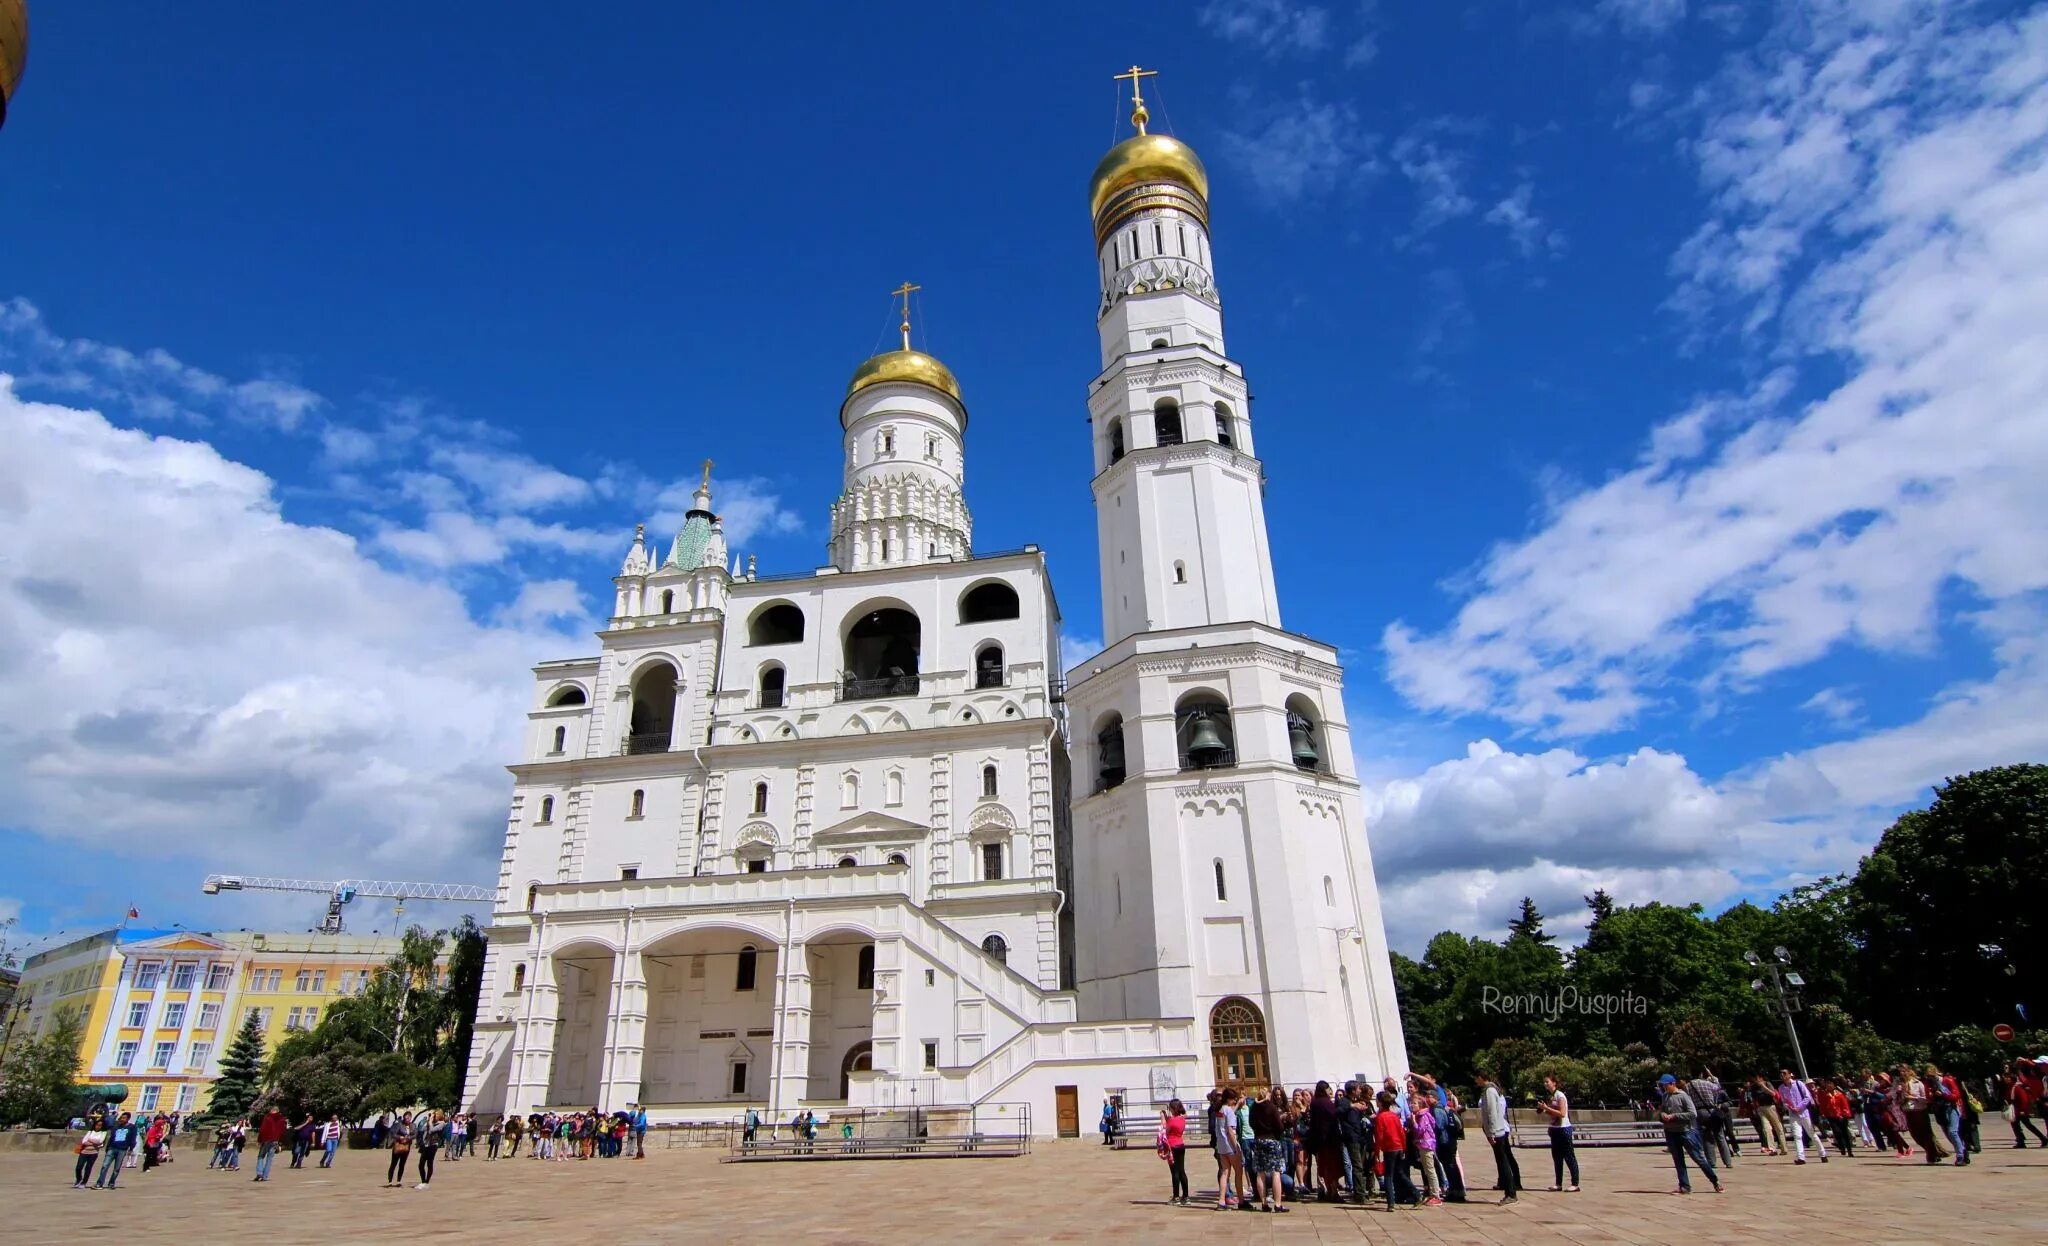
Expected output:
{"points": [[1063, 1191]]}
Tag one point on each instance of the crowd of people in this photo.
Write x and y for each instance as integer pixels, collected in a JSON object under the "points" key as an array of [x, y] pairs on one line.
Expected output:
{"points": [[1400, 1142]]}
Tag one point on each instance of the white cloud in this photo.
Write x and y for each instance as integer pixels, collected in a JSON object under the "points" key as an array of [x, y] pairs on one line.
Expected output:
{"points": [[748, 507], [1301, 150], [184, 671], [1436, 171], [1075, 649], [1269, 27], [153, 383], [1532, 235], [1643, 16], [541, 601], [1835, 705], [512, 482], [1904, 168]]}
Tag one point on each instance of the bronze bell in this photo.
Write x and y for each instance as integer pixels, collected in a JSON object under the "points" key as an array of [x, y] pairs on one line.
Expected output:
{"points": [[1205, 745], [1302, 740]]}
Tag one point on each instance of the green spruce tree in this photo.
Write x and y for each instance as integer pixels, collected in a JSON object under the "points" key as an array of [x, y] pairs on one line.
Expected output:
{"points": [[241, 1073]]}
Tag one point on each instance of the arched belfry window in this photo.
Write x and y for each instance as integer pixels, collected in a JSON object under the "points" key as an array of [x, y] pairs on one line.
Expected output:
{"points": [[1226, 433], [987, 603], [654, 710], [1116, 441], [571, 695], [668, 601], [1203, 732], [743, 973], [1166, 423], [998, 949], [1109, 753], [864, 968], [882, 650], [772, 678], [778, 624], [988, 667], [1304, 735]]}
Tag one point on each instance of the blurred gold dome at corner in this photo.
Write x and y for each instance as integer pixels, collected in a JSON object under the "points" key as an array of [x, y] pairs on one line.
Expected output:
{"points": [[13, 49], [913, 367], [1146, 159]]}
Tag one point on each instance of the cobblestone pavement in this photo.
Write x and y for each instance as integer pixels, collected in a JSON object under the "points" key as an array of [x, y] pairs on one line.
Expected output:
{"points": [[1063, 1191]]}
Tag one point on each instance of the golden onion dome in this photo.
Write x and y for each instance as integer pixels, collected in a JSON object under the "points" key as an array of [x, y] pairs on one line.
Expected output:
{"points": [[911, 367], [13, 49], [1145, 160]]}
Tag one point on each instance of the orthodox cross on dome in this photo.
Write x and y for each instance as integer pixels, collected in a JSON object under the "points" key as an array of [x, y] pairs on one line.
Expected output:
{"points": [[1137, 76], [904, 292], [707, 473], [703, 495]]}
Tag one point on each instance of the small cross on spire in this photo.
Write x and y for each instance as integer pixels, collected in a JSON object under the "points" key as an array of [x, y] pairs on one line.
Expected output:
{"points": [[1139, 116], [904, 292]]}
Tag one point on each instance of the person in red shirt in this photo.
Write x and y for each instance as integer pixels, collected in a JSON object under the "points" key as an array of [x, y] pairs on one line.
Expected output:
{"points": [[270, 1134], [1834, 1110], [1390, 1139], [2021, 1098]]}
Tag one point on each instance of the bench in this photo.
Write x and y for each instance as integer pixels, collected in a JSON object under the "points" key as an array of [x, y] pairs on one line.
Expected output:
{"points": [[1597, 1134], [1140, 1129], [827, 1147]]}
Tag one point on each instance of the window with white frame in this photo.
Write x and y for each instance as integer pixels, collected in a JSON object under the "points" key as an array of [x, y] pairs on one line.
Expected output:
{"points": [[291, 1019], [197, 1055], [209, 1016], [188, 1097], [150, 1095], [147, 975], [262, 1016], [161, 1057], [124, 1055], [138, 1013], [174, 1016], [183, 974], [219, 977], [303, 982]]}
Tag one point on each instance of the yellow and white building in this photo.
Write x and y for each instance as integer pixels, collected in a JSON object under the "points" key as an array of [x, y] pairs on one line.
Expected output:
{"points": [[161, 1006]]}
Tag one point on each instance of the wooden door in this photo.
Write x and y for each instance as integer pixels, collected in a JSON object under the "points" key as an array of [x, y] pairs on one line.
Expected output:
{"points": [[1067, 1110]]}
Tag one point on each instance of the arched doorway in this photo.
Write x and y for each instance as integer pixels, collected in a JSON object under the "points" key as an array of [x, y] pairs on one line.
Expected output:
{"points": [[1237, 1043], [860, 1058]]}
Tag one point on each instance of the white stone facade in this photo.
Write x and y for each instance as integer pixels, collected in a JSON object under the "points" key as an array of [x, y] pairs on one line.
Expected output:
{"points": [[814, 840]]}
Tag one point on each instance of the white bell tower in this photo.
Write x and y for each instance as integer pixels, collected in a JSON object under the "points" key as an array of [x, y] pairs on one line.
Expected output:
{"points": [[1221, 866]]}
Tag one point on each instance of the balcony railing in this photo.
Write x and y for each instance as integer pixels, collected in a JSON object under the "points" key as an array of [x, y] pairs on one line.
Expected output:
{"points": [[1222, 759], [882, 686], [647, 742]]}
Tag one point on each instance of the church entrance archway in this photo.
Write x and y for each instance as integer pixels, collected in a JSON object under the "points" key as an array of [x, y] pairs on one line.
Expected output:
{"points": [[859, 1059], [1237, 1043]]}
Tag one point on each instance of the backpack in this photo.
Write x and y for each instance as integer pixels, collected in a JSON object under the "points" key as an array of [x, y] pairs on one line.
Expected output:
{"points": [[1159, 1144]]}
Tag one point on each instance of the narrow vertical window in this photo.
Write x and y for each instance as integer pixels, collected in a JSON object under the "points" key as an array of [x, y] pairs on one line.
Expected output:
{"points": [[760, 798], [1329, 892], [547, 808], [992, 862], [668, 601], [864, 968], [743, 974], [1222, 892], [518, 978], [639, 803], [561, 738], [988, 780]]}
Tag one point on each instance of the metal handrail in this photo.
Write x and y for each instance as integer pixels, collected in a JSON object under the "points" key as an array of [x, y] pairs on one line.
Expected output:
{"points": [[851, 689]]}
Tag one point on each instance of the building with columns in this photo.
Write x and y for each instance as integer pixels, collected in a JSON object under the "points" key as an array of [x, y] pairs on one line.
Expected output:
{"points": [[813, 840]]}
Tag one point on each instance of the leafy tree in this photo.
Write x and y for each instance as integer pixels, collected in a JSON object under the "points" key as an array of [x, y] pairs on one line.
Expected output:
{"points": [[1510, 1061], [459, 1001], [1698, 1042], [1947, 907], [36, 1083], [241, 1074]]}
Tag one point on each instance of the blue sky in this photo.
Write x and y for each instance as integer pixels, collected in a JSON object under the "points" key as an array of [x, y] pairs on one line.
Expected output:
{"points": [[1650, 392]]}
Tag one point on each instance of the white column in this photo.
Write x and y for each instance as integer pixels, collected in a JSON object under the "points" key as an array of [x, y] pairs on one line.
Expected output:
{"points": [[625, 1033], [791, 1067], [533, 1043]]}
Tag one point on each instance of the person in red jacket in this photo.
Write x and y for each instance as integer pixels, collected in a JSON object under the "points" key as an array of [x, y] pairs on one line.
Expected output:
{"points": [[1834, 1112], [270, 1134], [2021, 1098], [1390, 1139]]}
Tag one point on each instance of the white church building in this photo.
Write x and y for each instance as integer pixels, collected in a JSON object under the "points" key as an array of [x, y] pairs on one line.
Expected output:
{"points": [[848, 838]]}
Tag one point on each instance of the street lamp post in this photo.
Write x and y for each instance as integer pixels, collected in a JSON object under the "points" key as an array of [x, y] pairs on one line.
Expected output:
{"points": [[1783, 976]]}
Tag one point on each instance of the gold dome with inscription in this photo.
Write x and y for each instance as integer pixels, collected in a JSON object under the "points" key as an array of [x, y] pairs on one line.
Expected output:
{"points": [[1146, 160]]}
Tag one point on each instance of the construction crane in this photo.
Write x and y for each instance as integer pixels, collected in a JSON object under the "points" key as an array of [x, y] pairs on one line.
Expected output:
{"points": [[339, 894]]}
